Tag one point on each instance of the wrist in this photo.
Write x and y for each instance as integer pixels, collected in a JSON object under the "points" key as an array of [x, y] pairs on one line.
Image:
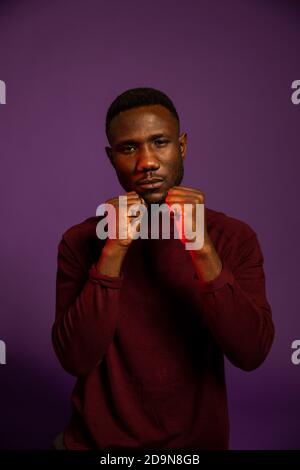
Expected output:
{"points": [[112, 249], [207, 263], [111, 259], [205, 253]]}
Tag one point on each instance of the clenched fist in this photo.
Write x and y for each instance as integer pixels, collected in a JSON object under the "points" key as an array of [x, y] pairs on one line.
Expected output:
{"points": [[123, 222]]}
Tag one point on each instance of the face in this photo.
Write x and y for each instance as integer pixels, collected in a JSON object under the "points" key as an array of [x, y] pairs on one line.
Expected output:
{"points": [[145, 145]]}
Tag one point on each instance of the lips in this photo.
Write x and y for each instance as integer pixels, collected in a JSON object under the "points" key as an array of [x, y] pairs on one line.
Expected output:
{"points": [[151, 183]]}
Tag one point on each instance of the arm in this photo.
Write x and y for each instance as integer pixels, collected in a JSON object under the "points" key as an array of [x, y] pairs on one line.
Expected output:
{"points": [[87, 305], [232, 301], [234, 305]]}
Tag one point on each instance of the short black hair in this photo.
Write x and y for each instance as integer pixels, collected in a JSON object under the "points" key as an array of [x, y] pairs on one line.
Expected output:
{"points": [[136, 97]]}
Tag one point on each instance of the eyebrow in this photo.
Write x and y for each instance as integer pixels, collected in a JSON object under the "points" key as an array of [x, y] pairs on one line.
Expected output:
{"points": [[132, 141]]}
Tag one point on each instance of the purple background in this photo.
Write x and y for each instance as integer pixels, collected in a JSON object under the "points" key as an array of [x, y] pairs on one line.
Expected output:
{"points": [[228, 66]]}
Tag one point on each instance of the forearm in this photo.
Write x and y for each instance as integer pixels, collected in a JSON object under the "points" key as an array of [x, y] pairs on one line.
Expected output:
{"points": [[243, 329], [234, 307], [111, 259], [82, 334], [87, 307], [206, 262]]}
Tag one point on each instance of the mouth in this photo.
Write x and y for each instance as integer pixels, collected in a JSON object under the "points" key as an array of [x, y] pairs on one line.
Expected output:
{"points": [[150, 184]]}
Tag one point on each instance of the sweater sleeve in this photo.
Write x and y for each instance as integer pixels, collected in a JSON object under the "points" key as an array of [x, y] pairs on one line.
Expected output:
{"points": [[235, 308], [86, 313]]}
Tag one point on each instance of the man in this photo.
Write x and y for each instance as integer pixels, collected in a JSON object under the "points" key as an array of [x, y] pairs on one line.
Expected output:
{"points": [[144, 324]]}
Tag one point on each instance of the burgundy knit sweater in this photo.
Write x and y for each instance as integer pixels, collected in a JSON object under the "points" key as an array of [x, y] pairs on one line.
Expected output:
{"points": [[148, 347]]}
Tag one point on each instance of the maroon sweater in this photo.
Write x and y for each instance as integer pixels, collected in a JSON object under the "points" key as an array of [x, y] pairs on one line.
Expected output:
{"points": [[148, 347]]}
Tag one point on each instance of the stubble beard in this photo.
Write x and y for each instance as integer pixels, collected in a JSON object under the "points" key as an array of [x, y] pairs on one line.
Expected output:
{"points": [[177, 181]]}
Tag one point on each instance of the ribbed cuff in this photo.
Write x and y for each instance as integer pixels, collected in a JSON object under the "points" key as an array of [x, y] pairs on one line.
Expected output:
{"points": [[114, 282], [225, 277]]}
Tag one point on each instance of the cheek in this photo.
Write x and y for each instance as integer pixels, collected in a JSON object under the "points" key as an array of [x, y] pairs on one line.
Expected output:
{"points": [[125, 168], [173, 166]]}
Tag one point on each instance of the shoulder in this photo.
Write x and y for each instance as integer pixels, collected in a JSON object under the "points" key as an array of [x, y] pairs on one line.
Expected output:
{"points": [[235, 240], [228, 230], [229, 225], [85, 230], [82, 239]]}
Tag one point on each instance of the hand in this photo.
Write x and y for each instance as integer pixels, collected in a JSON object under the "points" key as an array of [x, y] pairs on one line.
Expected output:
{"points": [[206, 260], [128, 220], [182, 195]]}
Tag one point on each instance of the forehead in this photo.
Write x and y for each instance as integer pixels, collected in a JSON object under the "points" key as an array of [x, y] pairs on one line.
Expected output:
{"points": [[138, 123]]}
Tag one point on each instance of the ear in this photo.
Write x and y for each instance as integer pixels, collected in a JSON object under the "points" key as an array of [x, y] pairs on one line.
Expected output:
{"points": [[109, 154], [183, 144]]}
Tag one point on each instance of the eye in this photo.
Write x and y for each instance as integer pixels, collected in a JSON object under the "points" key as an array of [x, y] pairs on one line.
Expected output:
{"points": [[127, 149], [161, 142]]}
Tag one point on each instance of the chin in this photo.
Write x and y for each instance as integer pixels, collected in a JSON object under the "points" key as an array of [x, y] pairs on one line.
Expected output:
{"points": [[154, 198]]}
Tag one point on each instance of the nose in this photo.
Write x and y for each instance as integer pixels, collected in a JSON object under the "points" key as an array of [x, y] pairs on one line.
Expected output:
{"points": [[147, 159]]}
